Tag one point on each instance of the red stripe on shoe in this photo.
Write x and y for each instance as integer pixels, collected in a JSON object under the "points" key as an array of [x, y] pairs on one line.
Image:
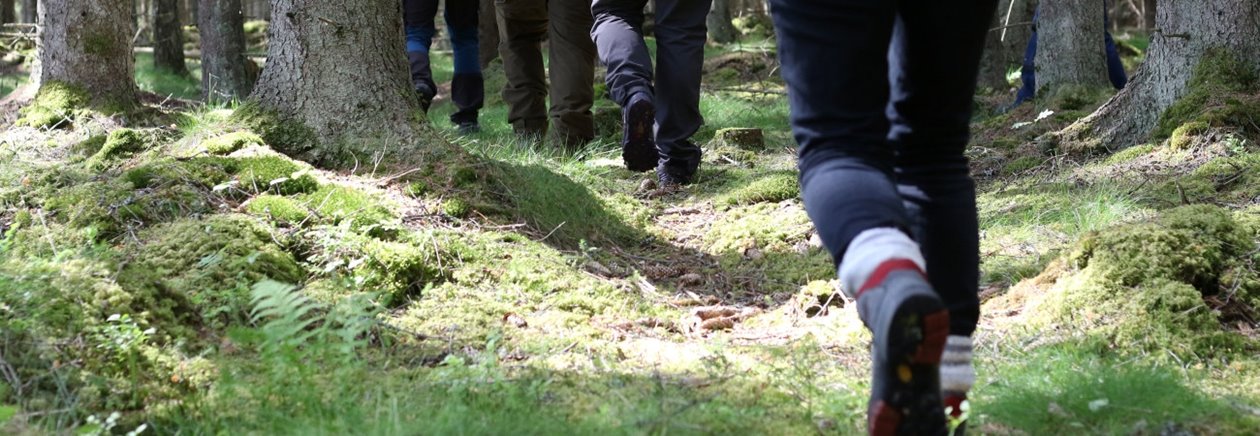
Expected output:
{"points": [[935, 334], [882, 271], [883, 420]]}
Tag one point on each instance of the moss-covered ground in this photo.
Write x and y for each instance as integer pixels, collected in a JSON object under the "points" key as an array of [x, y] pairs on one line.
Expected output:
{"points": [[184, 274]]}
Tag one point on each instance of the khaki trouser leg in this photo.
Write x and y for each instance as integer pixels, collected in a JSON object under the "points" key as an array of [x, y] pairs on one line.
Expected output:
{"points": [[572, 61], [522, 24]]}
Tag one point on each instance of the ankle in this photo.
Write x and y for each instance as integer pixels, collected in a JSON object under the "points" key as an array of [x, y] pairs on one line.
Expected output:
{"points": [[874, 254]]}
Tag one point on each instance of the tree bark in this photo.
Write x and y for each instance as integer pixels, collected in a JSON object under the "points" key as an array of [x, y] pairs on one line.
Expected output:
{"points": [[168, 38], [1004, 45], [1070, 47], [487, 33], [340, 71], [721, 30], [224, 72], [29, 9], [1187, 30], [8, 11], [87, 44]]}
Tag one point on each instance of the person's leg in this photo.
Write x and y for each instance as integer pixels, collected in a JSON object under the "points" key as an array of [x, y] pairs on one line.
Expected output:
{"points": [[680, 37], [467, 85], [834, 57], [1115, 68], [487, 32], [618, 36], [1028, 73], [523, 24], [572, 72], [934, 61], [418, 19]]}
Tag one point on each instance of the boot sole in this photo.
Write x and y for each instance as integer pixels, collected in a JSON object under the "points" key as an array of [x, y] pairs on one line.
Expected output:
{"points": [[911, 356], [638, 149]]}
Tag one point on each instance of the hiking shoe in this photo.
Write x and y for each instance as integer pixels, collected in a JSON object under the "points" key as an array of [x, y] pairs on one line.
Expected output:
{"points": [[638, 146], [665, 178], [909, 325], [425, 94], [468, 128], [953, 406]]}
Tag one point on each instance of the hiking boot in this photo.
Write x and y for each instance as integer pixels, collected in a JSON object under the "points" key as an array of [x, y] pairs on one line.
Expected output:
{"points": [[670, 179], [909, 325], [425, 94], [468, 128], [638, 146]]}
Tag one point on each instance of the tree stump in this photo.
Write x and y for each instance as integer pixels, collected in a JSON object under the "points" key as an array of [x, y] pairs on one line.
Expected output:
{"points": [[740, 137]]}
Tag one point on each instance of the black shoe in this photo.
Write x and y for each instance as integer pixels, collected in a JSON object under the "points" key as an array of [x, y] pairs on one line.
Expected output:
{"points": [[667, 178], [638, 147], [909, 325], [425, 94], [468, 128]]}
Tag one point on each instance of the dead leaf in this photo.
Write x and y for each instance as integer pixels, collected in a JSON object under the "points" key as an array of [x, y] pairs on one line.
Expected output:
{"points": [[515, 320]]}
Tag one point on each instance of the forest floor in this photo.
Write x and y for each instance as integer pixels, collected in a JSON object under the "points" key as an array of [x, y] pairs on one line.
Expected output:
{"points": [[1119, 289]]}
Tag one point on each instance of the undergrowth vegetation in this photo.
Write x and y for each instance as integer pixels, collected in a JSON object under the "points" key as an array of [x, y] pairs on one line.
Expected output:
{"points": [[186, 272]]}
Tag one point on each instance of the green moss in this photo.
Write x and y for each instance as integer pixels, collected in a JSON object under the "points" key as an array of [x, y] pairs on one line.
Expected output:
{"points": [[339, 203], [158, 191], [211, 262], [1140, 287], [1183, 137], [199, 172], [456, 208], [1076, 97], [55, 105], [416, 189], [120, 144], [1129, 154], [271, 173], [399, 269], [90, 146], [286, 136], [770, 189], [554, 204], [1216, 95], [280, 210], [1021, 164], [1231, 180], [230, 142]]}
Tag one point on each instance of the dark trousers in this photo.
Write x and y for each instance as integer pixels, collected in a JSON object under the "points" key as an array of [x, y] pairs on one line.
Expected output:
{"points": [[881, 96], [680, 37], [467, 84], [564, 24]]}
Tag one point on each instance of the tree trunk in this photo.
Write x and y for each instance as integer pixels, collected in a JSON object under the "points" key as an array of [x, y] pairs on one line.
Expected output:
{"points": [[87, 44], [721, 30], [1148, 15], [1004, 45], [1187, 30], [168, 38], [8, 11], [341, 72], [1070, 47], [224, 72], [487, 33], [29, 10]]}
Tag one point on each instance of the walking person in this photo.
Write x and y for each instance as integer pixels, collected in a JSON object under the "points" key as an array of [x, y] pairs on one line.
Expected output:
{"points": [[467, 85], [881, 97], [659, 112], [564, 24]]}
